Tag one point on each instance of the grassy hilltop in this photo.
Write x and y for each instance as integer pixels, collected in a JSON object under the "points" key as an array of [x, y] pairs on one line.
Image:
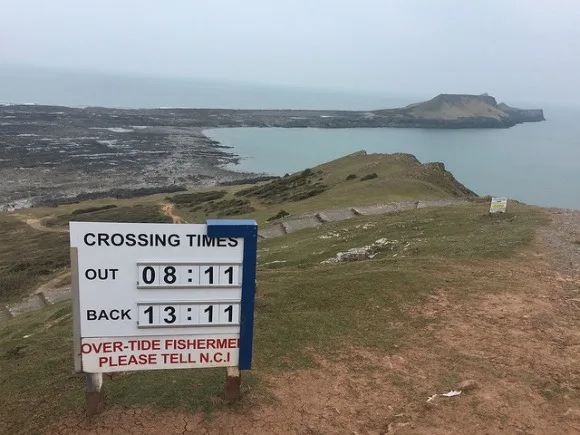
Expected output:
{"points": [[356, 322], [27, 257], [355, 180]]}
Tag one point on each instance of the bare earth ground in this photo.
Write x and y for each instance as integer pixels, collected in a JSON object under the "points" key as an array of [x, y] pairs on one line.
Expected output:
{"points": [[521, 345], [37, 225], [167, 210]]}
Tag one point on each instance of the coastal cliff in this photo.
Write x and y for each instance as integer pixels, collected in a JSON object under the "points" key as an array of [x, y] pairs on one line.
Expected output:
{"points": [[523, 115]]}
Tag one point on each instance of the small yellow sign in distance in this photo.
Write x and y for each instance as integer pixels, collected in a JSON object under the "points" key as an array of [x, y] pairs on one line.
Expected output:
{"points": [[498, 205]]}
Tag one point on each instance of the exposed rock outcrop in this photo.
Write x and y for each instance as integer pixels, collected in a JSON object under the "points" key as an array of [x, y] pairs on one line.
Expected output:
{"points": [[522, 115]]}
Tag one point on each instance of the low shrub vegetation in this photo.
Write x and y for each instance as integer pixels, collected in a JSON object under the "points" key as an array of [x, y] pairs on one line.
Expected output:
{"points": [[287, 189], [281, 214], [369, 177], [139, 213], [225, 207], [196, 198], [93, 209]]}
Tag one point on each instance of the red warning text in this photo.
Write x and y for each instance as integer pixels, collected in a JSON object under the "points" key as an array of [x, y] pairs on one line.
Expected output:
{"points": [[100, 355]]}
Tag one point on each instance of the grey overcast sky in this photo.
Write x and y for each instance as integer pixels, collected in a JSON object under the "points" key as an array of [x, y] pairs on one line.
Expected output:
{"points": [[511, 48]]}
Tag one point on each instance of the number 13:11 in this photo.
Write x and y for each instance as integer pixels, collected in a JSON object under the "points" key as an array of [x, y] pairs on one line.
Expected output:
{"points": [[189, 314]]}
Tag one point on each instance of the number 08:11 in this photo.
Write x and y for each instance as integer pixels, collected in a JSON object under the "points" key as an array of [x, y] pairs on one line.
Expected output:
{"points": [[188, 314], [185, 275]]}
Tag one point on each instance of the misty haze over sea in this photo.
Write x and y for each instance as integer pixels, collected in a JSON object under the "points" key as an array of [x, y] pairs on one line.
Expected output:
{"points": [[538, 163], [67, 88]]}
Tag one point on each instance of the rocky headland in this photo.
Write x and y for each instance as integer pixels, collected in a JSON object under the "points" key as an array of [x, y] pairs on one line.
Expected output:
{"points": [[458, 111]]}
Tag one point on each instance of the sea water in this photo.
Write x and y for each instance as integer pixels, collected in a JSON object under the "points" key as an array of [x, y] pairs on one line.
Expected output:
{"points": [[537, 163]]}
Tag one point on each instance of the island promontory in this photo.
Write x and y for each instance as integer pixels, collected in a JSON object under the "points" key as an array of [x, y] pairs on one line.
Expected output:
{"points": [[458, 111]]}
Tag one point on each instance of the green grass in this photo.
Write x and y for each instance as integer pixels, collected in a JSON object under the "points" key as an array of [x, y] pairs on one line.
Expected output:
{"points": [[400, 177], [149, 213], [225, 207], [93, 209], [196, 198], [64, 209], [323, 309], [291, 188], [27, 256], [38, 372], [325, 305], [210, 203], [460, 232], [304, 309]]}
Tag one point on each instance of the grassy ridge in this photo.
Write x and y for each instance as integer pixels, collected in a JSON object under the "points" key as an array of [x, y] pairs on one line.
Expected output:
{"points": [[327, 306], [345, 182], [290, 188], [147, 213], [459, 232]]}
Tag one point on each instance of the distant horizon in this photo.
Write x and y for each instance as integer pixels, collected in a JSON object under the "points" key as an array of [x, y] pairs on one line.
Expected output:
{"points": [[523, 52], [8, 70]]}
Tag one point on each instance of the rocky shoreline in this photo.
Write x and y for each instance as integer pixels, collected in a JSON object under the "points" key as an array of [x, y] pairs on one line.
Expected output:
{"points": [[49, 155]]}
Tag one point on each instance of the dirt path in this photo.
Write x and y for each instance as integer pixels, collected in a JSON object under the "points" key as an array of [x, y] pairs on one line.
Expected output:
{"points": [[37, 225], [520, 345], [167, 210], [49, 293], [562, 240], [46, 294], [52, 292]]}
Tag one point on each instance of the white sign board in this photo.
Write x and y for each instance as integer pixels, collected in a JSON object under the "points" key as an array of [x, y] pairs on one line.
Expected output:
{"points": [[498, 205], [155, 296]]}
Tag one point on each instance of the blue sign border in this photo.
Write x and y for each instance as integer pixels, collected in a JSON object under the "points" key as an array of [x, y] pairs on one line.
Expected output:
{"points": [[248, 230]]}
